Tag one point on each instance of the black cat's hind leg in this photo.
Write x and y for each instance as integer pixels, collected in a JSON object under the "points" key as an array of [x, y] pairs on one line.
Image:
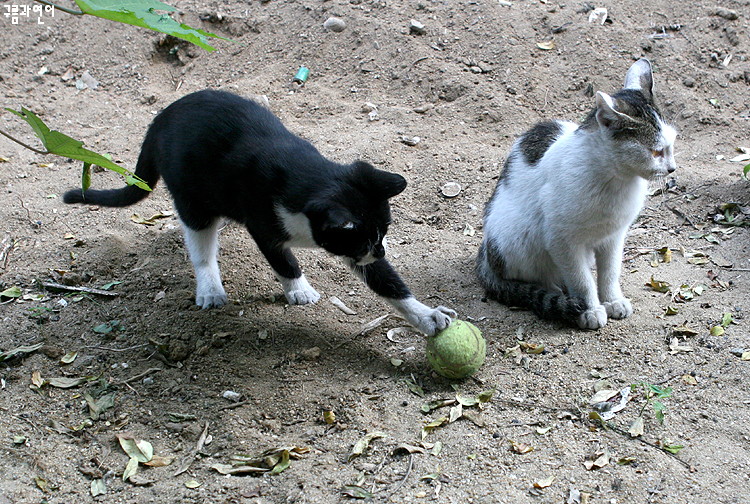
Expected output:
{"points": [[382, 279], [203, 249]]}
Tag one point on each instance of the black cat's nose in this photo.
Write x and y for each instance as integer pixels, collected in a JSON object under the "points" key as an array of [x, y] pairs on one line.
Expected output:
{"points": [[378, 252], [671, 168]]}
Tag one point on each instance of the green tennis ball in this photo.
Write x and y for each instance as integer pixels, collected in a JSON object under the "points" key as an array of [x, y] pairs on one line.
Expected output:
{"points": [[457, 351]]}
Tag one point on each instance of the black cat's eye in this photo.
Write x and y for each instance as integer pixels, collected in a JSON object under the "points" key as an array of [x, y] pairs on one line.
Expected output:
{"points": [[657, 153]]}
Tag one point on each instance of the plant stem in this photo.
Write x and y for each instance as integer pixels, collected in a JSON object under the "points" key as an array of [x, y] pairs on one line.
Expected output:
{"points": [[64, 9], [23, 144]]}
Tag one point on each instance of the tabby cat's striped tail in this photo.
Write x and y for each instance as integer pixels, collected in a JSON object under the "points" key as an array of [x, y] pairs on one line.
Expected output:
{"points": [[544, 303]]}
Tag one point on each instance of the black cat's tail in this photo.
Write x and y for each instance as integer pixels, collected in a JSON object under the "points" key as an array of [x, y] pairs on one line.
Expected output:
{"points": [[146, 170], [543, 302]]}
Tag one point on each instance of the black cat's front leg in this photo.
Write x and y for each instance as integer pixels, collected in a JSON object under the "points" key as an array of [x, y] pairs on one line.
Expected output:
{"points": [[384, 281], [297, 289]]}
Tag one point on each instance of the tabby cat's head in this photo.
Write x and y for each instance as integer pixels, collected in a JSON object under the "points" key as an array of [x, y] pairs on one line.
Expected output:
{"points": [[630, 119], [351, 220]]}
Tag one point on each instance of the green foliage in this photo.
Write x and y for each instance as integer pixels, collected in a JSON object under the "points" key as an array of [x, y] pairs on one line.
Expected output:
{"points": [[63, 145], [143, 13], [654, 395], [745, 171]]}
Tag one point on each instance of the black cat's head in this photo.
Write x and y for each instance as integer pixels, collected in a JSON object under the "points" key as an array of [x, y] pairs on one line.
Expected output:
{"points": [[352, 219]]}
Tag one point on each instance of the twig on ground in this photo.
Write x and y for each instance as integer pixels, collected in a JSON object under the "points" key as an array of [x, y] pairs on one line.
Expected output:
{"points": [[233, 405], [406, 476], [141, 375], [94, 347], [87, 290]]}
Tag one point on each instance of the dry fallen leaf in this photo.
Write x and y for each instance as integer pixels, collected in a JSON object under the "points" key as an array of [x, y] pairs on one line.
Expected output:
{"points": [[547, 45], [520, 448], [544, 483], [636, 428]]}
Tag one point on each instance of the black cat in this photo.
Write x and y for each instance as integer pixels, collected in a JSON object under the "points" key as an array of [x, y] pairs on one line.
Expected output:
{"points": [[225, 156]]}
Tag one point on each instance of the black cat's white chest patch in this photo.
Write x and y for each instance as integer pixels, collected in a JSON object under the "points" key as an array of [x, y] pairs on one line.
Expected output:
{"points": [[297, 226]]}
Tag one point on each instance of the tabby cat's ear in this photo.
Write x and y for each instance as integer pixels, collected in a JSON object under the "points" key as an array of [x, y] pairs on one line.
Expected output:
{"points": [[640, 77], [378, 183], [606, 114]]}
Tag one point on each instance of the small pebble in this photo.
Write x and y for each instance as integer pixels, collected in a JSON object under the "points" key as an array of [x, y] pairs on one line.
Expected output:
{"points": [[726, 13], [334, 24], [148, 381], [688, 82], [451, 189], [423, 109], [416, 28], [231, 395], [411, 141]]}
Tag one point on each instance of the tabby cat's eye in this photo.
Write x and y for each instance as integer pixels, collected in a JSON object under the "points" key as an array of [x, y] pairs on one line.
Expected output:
{"points": [[657, 153]]}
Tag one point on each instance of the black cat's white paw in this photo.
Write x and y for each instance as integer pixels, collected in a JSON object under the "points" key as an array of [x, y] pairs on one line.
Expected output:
{"points": [[619, 308], [594, 318], [425, 319], [298, 291]]}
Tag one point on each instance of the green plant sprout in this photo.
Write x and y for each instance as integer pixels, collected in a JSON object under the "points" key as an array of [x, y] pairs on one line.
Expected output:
{"points": [[653, 395]]}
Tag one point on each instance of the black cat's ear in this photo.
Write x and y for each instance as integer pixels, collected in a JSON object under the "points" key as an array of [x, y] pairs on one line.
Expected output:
{"points": [[606, 114], [378, 183], [640, 77]]}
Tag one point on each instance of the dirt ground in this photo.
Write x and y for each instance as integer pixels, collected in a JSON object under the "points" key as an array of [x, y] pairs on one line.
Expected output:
{"points": [[475, 79]]}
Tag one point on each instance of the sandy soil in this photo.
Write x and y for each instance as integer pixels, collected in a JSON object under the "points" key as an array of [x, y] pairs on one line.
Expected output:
{"points": [[467, 86]]}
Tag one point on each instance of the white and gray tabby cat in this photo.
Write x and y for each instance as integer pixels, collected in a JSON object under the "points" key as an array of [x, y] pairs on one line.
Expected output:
{"points": [[564, 201]]}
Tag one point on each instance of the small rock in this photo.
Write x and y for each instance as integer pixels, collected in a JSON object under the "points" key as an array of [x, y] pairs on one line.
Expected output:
{"points": [[72, 279], [174, 427], [410, 141], [310, 354], [423, 109], [737, 352], [726, 13], [688, 82], [86, 81], [451, 189], [231, 395], [69, 74], [148, 381], [334, 24], [416, 28]]}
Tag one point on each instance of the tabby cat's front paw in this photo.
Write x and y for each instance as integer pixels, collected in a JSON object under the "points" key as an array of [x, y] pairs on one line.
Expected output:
{"points": [[593, 318], [619, 308], [211, 298]]}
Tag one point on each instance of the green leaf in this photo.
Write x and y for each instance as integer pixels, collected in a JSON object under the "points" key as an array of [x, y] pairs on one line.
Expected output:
{"points": [[674, 449], [98, 487], [726, 319], [11, 293], [143, 13], [717, 330], [68, 358], [130, 469], [356, 492], [63, 145], [108, 286], [20, 351], [65, 382], [138, 449], [361, 445], [745, 171]]}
